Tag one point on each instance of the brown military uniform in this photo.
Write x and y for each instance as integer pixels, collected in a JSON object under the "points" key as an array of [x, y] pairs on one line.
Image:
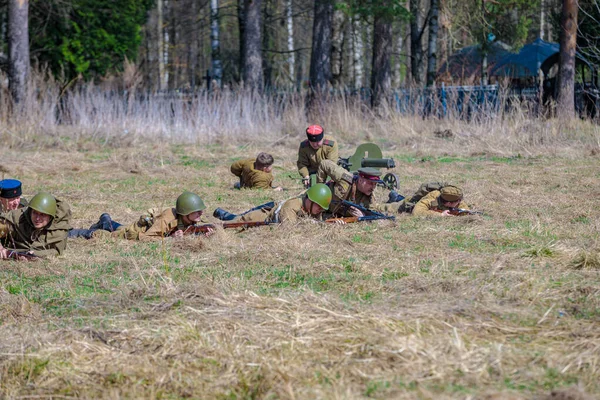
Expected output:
{"points": [[18, 233], [249, 177], [343, 187], [288, 211], [432, 202], [155, 225], [309, 158]]}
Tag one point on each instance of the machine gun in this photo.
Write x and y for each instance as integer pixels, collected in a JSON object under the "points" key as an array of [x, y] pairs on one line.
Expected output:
{"points": [[369, 215], [370, 155]]}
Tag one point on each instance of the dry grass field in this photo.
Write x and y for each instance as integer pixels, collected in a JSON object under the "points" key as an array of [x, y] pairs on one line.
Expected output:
{"points": [[504, 306]]}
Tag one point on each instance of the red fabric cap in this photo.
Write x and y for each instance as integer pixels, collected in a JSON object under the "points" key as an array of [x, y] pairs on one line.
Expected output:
{"points": [[314, 130], [369, 177]]}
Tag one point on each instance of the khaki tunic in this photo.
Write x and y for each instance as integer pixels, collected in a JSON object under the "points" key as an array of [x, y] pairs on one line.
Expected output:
{"points": [[249, 177], [18, 233], [24, 203], [431, 202], [309, 158], [343, 187], [155, 225], [288, 212]]}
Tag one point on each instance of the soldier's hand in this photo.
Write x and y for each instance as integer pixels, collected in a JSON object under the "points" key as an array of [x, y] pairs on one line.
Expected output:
{"points": [[306, 181], [209, 232], [3, 252], [355, 212], [446, 213], [178, 233], [278, 189]]}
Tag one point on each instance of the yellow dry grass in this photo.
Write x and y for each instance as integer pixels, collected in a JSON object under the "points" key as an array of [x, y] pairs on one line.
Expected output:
{"points": [[501, 306]]}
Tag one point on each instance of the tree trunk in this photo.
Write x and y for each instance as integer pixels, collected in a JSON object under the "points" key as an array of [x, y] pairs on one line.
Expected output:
{"points": [[320, 61], [416, 42], [162, 51], [252, 56], [566, 72], [432, 47], [290, 40], [267, 44], [542, 18], [399, 49], [18, 48], [242, 33], [381, 83], [357, 53], [217, 68], [337, 40]]}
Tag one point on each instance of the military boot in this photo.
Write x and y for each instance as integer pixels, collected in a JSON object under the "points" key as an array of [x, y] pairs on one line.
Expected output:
{"points": [[223, 215], [105, 223], [394, 197], [83, 233]]}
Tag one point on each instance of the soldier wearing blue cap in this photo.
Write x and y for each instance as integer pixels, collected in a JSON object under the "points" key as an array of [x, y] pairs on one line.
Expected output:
{"points": [[358, 188], [10, 195]]}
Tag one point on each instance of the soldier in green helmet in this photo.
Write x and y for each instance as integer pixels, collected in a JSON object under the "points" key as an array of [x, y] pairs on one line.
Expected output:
{"points": [[40, 229], [310, 204], [155, 225]]}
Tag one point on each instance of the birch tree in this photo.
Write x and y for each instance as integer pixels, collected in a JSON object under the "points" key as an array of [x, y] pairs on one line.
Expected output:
{"points": [[162, 52], [568, 44], [217, 65], [290, 39], [357, 52], [18, 48]]}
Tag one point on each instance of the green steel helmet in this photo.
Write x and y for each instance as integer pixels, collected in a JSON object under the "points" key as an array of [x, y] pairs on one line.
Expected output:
{"points": [[189, 202], [44, 203], [320, 194]]}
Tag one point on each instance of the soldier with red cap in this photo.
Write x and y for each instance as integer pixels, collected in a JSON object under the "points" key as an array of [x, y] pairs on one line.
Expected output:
{"points": [[357, 188], [10, 195], [316, 148]]}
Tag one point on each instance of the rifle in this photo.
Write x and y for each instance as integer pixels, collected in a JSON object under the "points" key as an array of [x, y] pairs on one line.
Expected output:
{"points": [[459, 211], [351, 220], [204, 228], [368, 212], [17, 255]]}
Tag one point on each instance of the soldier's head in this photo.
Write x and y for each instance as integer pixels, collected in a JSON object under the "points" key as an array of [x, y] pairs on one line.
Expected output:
{"points": [[190, 206], [315, 134], [10, 194], [42, 209], [450, 196], [264, 162], [317, 199], [367, 180]]}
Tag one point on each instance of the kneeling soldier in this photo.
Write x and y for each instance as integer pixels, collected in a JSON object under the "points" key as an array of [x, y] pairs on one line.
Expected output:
{"points": [[308, 205], [255, 173], [37, 230], [357, 188], [316, 148]]}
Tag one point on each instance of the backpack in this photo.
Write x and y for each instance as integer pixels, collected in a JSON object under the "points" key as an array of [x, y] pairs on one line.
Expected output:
{"points": [[408, 205]]}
